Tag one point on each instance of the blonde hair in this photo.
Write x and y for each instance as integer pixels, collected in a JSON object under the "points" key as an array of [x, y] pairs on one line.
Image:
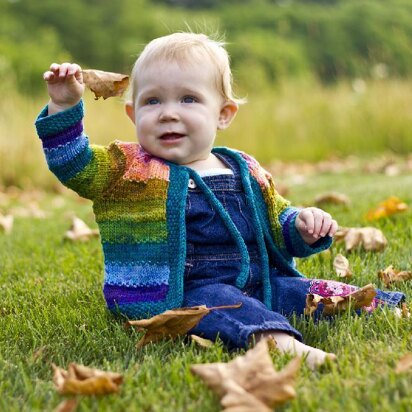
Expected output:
{"points": [[184, 48]]}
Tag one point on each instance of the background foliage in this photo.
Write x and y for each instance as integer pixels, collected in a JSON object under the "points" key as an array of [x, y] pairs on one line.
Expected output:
{"points": [[269, 39]]}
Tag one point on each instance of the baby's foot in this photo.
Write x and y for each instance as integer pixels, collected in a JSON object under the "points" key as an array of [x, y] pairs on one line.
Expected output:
{"points": [[288, 344]]}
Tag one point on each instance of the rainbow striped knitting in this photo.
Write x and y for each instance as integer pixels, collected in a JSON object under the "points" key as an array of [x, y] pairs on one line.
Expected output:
{"points": [[139, 203]]}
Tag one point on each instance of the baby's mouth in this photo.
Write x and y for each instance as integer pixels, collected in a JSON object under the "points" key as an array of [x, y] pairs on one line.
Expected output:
{"points": [[171, 137]]}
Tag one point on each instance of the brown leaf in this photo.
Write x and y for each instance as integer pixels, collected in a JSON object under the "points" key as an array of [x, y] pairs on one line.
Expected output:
{"points": [[404, 364], [172, 323], [391, 275], [370, 238], [105, 84], [79, 231], [342, 267], [255, 374], [6, 223], [237, 399], [362, 297], [81, 380], [31, 210], [68, 405], [332, 198], [387, 208], [204, 343]]}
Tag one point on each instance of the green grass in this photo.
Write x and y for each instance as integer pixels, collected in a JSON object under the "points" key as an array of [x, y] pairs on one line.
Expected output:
{"points": [[52, 310]]}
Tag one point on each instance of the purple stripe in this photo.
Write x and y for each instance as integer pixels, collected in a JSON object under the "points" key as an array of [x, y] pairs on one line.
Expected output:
{"points": [[286, 232], [118, 295], [66, 136]]}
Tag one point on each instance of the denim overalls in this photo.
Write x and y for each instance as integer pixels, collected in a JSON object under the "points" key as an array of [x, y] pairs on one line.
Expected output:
{"points": [[213, 264]]}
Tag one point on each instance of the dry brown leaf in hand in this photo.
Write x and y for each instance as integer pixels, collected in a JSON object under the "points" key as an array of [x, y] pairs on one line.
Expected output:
{"points": [[172, 323], [388, 207], [332, 198], [391, 275], [404, 364], [204, 343], [342, 267], [6, 223], [362, 297], [253, 372], [105, 84], [370, 238], [79, 231], [81, 380]]}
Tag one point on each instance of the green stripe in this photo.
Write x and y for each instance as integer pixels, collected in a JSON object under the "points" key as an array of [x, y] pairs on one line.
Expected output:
{"points": [[144, 211], [132, 232]]}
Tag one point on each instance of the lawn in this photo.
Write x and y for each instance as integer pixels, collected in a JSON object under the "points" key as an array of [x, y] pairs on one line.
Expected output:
{"points": [[52, 311]]}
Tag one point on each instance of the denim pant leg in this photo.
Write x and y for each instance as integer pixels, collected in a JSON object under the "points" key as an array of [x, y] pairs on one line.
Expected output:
{"points": [[234, 326]]}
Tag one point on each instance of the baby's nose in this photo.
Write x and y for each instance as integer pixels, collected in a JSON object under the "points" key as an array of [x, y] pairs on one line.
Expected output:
{"points": [[168, 113]]}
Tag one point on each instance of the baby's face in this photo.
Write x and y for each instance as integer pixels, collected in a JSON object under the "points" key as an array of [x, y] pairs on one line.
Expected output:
{"points": [[177, 111]]}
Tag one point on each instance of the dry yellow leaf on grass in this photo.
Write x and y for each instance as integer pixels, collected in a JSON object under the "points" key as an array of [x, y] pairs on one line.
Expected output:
{"points": [[68, 405], [388, 207], [172, 323], [250, 380], [402, 312], [342, 267], [204, 343], [369, 238], [79, 231], [362, 297], [391, 275], [81, 380], [6, 223], [105, 84], [332, 198], [404, 364]]}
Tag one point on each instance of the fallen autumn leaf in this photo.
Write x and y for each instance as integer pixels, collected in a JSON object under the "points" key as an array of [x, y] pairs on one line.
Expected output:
{"points": [[370, 238], [172, 323], [362, 297], [81, 380], [391, 275], [404, 364], [342, 267], [388, 207], [255, 374], [79, 231]]}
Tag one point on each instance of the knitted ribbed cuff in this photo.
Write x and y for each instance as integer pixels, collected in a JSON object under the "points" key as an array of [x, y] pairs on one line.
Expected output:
{"points": [[48, 126], [295, 245]]}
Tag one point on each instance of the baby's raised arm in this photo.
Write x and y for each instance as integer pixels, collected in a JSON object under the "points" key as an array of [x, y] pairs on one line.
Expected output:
{"points": [[65, 86]]}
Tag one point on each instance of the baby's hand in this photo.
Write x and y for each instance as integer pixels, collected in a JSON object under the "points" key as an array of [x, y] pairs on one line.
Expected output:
{"points": [[313, 223], [65, 86]]}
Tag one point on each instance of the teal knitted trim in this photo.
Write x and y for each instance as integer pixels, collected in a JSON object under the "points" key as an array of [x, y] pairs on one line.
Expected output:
{"points": [[176, 229]]}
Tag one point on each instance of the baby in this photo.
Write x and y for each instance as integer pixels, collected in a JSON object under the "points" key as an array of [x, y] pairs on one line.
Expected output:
{"points": [[183, 223]]}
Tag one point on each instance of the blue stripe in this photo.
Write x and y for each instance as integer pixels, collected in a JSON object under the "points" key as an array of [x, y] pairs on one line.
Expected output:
{"points": [[50, 125], [136, 275], [155, 253], [63, 154], [76, 165]]}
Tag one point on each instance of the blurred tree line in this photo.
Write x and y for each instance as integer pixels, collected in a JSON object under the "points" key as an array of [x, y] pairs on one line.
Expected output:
{"points": [[267, 39]]}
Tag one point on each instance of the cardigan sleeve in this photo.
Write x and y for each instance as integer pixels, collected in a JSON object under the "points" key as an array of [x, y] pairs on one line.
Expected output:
{"points": [[78, 165], [294, 242]]}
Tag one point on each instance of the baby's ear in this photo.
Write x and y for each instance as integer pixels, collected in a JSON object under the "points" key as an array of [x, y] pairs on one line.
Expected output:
{"points": [[227, 114], [130, 111]]}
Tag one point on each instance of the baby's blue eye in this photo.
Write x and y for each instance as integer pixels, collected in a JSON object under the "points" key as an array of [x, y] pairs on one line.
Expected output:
{"points": [[189, 99], [152, 100]]}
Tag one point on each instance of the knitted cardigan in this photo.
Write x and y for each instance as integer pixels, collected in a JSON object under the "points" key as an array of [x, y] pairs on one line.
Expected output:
{"points": [[139, 204]]}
